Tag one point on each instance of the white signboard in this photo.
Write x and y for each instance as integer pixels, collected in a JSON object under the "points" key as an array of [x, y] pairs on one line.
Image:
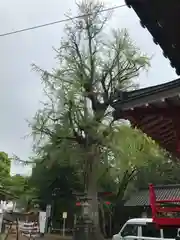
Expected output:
{"points": [[48, 211], [64, 215], [42, 221], [1, 220]]}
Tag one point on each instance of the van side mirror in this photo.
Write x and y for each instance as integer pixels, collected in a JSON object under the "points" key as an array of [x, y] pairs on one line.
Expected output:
{"points": [[123, 234]]}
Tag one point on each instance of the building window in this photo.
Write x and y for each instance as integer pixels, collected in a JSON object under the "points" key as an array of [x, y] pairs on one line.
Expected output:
{"points": [[150, 230]]}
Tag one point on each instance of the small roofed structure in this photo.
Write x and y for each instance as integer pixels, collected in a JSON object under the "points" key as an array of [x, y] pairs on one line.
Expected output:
{"points": [[163, 192], [139, 202], [165, 212], [161, 18], [155, 110]]}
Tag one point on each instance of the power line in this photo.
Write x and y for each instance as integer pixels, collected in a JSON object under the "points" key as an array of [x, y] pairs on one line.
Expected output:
{"points": [[56, 22]]}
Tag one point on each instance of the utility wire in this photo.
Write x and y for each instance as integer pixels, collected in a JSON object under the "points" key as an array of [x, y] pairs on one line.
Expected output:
{"points": [[56, 22]]}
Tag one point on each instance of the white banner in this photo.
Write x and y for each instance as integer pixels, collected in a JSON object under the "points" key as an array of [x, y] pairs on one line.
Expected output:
{"points": [[48, 211], [1, 221], [42, 221]]}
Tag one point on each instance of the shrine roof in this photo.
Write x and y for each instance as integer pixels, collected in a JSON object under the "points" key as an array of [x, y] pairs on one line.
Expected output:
{"points": [[148, 94], [155, 110], [161, 18], [163, 192]]}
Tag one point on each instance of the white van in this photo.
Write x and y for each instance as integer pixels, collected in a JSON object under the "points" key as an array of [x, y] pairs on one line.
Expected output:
{"points": [[144, 228]]}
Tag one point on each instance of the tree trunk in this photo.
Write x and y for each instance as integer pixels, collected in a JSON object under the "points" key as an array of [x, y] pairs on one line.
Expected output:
{"points": [[92, 194], [103, 223]]}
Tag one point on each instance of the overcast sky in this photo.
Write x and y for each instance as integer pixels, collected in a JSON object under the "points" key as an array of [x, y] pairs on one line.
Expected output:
{"points": [[21, 89]]}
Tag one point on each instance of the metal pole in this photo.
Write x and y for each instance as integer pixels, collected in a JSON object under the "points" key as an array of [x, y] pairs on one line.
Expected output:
{"points": [[110, 225], [1, 222], [64, 226], [75, 219]]}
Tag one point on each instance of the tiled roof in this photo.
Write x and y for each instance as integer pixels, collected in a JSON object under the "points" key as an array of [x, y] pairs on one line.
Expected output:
{"points": [[170, 89], [141, 198]]}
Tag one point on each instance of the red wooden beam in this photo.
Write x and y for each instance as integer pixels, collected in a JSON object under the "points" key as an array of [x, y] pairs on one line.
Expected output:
{"points": [[152, 200], [161, 130], [167, 221], [176, 200], [161, 134], [158, 125], [159, 121], [167, 209], [155, 121], [168, 111]]}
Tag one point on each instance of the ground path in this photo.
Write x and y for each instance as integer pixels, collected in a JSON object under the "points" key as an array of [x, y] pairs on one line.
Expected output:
{"points": [[46, 237]]}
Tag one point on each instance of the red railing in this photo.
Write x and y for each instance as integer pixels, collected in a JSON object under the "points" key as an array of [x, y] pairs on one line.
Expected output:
{"points": [[160, 206]]}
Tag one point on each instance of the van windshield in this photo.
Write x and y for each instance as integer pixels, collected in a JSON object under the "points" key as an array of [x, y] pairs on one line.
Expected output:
{"points": [[129, 230]]}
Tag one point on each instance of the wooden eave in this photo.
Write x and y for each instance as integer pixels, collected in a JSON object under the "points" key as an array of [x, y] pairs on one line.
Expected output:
{"points": [[161, 18], [156, 111]]}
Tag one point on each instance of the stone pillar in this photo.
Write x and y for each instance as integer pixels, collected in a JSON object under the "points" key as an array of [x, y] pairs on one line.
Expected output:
{"points": [[84, 229]]}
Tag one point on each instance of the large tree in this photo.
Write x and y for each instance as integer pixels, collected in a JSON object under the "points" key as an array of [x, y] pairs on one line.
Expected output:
{"points": [[77, 119]]}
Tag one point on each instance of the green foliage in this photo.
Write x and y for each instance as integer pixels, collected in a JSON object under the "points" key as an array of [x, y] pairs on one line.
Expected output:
{"points": [[58, 176], [18, 186], [5, 165], [131, 147], [12, 187], [129, 151], [165, 171]]}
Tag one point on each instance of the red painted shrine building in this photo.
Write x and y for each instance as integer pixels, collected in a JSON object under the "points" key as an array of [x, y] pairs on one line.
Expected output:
{"points": [[156, 110]]}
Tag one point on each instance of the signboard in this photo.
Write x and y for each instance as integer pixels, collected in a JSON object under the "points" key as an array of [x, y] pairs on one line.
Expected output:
{"points": [[64, 222], [42, 221], [64, 215], [48, 211], [1, 221]]}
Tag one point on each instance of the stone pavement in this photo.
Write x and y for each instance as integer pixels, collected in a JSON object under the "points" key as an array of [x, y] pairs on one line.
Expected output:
{"points": [[56, 237], [46, 237]]}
